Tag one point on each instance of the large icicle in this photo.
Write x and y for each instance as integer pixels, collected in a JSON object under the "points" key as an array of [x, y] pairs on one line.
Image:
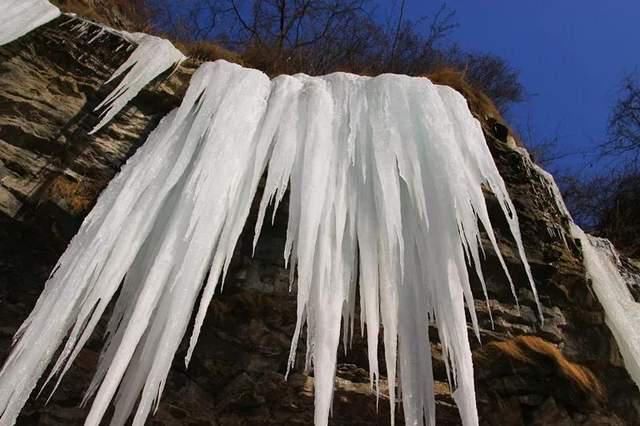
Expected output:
{"points": [[19, 17], [152, 57], [385, 177]]}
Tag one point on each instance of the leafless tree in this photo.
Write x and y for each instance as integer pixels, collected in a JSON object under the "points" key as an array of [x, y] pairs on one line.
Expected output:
{"points": [[191, 20], [608, 202], [413, 47], [624, 124], [294, 24], [321, 36]]}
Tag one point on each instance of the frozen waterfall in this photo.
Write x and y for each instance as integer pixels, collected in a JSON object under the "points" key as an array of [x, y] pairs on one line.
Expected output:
{"points": [[622, 311], [385, 177], [603, 267]]}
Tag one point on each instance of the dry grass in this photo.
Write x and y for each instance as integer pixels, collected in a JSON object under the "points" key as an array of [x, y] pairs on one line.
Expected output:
{"points": [[78, 196], [271, 60], [129, 15], [532, 350], [207, 51], [479, 103]]}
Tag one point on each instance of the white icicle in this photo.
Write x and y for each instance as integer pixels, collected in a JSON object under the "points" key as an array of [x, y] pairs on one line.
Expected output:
{"points": [[385, 181], [152, 57], [19, 17]]}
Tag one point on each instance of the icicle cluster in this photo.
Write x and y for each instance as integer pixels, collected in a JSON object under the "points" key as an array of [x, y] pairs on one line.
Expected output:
{"points": [[152, 57], [18, 17], [385, 177]]}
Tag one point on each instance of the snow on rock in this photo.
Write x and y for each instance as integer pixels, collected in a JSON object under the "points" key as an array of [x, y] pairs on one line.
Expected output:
{"points": [[152, 57], [549, 183], [385, 179], [18, 17]]}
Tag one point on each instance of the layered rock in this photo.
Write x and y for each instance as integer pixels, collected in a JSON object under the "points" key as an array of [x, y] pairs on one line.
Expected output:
{"points": [[569, 372]]}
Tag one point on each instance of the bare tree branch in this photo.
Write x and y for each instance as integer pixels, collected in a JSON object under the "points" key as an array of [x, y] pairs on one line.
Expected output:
{"points": [[396, 35]]}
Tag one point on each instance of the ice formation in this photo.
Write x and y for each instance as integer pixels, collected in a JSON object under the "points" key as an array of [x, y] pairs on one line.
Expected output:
{"points": [[152, 57], [385, 179], [18, 17], [622, 312], [603, 266]]}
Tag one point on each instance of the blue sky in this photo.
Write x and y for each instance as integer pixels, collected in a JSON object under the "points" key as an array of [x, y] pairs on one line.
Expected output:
{"points": [[571, 55]]}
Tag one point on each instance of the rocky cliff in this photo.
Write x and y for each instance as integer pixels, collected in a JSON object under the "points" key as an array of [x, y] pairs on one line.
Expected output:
{"points": [[564, 371]]}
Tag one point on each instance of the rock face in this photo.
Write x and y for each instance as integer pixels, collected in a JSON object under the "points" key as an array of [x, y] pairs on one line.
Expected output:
{"points": [[566, 371]]}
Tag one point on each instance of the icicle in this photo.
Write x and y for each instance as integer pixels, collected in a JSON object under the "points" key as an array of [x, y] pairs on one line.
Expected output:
{"points": [[152, 57], [385, 177], [99, 34], [19, 17]]}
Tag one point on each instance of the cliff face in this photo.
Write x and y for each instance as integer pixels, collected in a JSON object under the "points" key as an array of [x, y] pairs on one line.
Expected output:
{"points": [[567, 371]]}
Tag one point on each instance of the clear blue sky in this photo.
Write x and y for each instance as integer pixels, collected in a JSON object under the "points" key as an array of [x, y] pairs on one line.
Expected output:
{"points": [[571, 54]]}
